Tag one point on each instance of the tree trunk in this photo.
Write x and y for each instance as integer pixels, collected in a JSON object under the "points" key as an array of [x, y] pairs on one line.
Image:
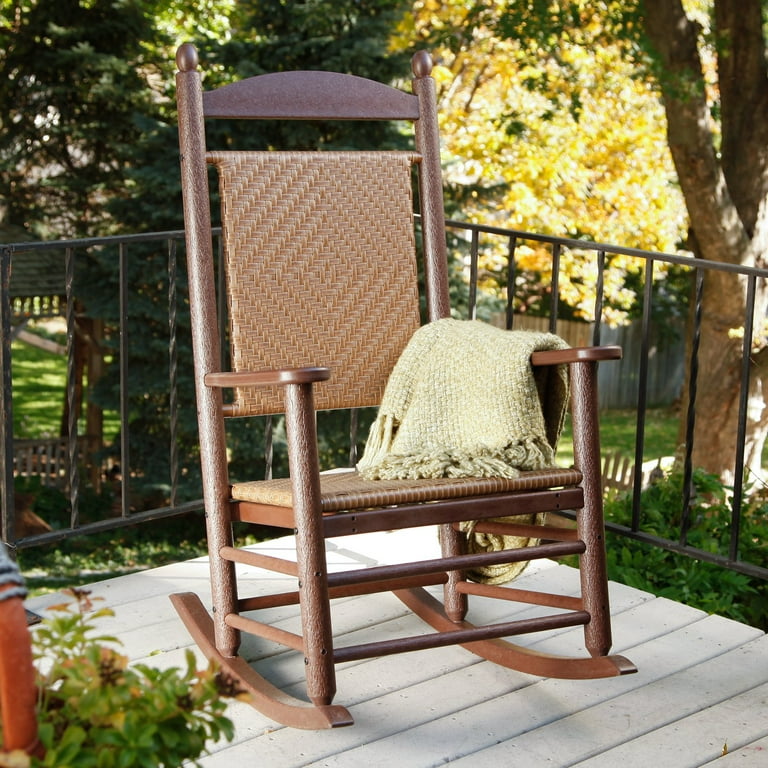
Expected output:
{"points": [[718, 384], [726, 194]]}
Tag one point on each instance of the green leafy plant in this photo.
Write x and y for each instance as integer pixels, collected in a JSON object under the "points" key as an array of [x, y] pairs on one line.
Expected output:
{"points": [[96, 711], [696, 583]]}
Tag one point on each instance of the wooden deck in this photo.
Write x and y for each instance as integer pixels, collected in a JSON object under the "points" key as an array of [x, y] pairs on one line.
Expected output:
{"points": [[701, 689]]}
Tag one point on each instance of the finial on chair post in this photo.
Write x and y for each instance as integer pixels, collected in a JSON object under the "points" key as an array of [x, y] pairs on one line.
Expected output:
{"points": [[421, 64], [186, 57]]}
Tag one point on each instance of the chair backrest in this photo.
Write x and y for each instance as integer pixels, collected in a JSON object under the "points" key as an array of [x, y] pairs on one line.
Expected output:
{"points": [[319, 246]]}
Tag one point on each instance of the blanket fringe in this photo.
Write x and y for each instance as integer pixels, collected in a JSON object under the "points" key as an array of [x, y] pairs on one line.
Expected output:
{"points": [[378, 444], [379, 464], [492, 542]]}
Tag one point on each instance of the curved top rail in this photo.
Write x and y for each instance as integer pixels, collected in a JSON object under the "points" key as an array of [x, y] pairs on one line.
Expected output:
{"points": [[310, 95]]}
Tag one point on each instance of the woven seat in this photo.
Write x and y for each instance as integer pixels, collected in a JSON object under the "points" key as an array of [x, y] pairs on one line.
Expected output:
{"points": [[349, 491], [322, 299]]}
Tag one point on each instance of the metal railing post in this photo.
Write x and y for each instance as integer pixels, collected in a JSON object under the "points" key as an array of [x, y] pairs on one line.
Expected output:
{"points": [[8, 517]]}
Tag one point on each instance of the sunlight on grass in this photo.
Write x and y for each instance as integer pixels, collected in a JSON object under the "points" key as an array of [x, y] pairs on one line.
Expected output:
{"points": [[618, 434], [81, 561], [39, 392], [39, 385]]}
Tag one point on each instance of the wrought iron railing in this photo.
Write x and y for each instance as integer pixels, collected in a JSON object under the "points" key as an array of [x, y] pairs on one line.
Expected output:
{"points": [[486, 255], [14, 309]]}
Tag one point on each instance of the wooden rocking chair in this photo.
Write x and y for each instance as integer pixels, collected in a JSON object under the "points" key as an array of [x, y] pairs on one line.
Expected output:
{"points": [[322, 298]]}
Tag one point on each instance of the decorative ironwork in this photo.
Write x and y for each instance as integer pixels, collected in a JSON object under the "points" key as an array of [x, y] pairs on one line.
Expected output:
{"points": [[475, 236]]}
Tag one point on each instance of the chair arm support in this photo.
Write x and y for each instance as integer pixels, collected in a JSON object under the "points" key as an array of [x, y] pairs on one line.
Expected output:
{"points": [[282, 377], [576, 355]]}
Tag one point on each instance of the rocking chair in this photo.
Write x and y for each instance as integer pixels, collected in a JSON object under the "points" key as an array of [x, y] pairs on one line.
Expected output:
{"points": [[319, 257]]}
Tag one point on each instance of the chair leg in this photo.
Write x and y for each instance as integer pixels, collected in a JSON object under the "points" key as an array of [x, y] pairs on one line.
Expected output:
{"points": [[310, 544], [223, 579], [594, 583], [218, 518], [590, 522], [224, 592], [315, 618], [264, 696], [453, 542]]}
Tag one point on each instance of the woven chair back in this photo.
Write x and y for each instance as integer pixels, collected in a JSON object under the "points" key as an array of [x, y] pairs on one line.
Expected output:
{"points": [[319, 254]]}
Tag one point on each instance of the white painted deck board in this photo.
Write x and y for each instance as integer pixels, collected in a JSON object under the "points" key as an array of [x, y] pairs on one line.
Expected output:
{"points": [[702, 680]]}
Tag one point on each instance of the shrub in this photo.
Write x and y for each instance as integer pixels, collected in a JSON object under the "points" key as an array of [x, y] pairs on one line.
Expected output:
{"points": [[700, 584], [96, 711]]}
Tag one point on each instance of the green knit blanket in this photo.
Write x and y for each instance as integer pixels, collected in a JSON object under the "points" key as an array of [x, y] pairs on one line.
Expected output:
{"points": [[464, 401]]}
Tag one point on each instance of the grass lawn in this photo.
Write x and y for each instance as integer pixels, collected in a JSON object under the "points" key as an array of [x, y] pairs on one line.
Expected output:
{"points": [[618, 435], [39, 389], [39, 393], [84, 559]]}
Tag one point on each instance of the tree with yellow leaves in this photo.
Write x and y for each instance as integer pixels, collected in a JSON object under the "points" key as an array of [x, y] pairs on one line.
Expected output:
{"points": [[565, 142], [612, 120]]}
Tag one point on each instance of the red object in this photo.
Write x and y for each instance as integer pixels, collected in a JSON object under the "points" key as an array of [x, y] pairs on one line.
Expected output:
{"points": [[18, 692]]}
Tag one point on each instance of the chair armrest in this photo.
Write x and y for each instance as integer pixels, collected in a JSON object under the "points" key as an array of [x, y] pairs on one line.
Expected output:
{"points": [[575, 355], [283, 376]]}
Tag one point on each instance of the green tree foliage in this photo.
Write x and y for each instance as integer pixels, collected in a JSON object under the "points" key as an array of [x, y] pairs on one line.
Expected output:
{"points": [[97, 76], [71, 82], [268, 36]]}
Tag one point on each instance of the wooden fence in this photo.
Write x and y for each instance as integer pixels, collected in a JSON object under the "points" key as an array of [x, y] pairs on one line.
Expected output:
{"points": [[48, 459], [619, 381]]}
